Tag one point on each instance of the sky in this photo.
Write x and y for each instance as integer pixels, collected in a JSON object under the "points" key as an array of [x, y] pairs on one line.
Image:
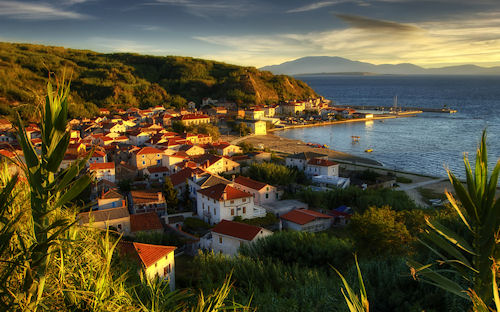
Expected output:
{"points": [[266, 32]]}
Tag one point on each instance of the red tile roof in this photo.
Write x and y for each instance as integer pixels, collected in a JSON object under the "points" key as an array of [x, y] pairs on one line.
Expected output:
{"points": [[304, 216], [256, 185], [238, 230], [181, 176], [193, 116], [146, 197], [148, 254], [224, 192], [102, 166], [148, 221], [321, 162], [149, 150]]}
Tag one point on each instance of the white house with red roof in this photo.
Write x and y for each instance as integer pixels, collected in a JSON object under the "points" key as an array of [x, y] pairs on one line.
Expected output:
{"points": [[224, 148], [157, 261], [157, 173], [228, 236], [306, 220], [138, 137], [111, 199], [322, 167], [103, 171], [223, 202], [98, 157], [263, 193]]}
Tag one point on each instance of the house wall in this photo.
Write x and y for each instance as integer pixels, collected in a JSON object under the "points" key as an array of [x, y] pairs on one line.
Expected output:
{"points": [[122, 224], [160, 268], [146, 160], [312, 170], [108, 203], [294, 162], [213, 211], [266, 195], [317, 225], [229, 245], [106, 174]]}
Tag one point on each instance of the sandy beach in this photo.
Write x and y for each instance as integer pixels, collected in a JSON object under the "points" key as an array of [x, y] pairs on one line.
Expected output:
{"points": [[290, 146]]}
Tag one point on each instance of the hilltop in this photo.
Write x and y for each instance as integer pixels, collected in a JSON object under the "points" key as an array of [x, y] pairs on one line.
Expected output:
{"points": [[121, 80], [337, 65]]}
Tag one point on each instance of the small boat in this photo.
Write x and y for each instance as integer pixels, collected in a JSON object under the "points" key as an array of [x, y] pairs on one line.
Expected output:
{"points": [[369, 150]]}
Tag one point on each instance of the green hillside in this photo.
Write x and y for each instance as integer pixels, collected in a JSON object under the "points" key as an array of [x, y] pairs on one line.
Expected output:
{"points": [[122, 80]]}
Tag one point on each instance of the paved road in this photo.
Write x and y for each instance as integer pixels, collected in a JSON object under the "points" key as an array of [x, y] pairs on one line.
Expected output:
{"points": [[420, 184]]}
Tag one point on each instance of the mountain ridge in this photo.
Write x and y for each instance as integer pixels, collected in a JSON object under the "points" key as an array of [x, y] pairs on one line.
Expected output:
{"points": [[335, 64], [122, 80]]}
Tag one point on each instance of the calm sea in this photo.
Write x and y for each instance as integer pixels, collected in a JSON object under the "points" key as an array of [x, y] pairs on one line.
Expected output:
{"points": [[423, 144]]}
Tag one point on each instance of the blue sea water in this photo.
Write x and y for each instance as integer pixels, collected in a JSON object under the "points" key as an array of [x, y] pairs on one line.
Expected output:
{"points": [[424, 144]]}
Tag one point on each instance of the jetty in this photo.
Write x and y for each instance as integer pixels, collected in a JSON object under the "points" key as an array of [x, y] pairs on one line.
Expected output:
{"points": [[401, 110]]}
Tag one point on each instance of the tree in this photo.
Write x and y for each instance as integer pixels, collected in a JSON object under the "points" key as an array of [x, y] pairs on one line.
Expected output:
{"points": [[170, 193], [378, 231], [471, 256]]}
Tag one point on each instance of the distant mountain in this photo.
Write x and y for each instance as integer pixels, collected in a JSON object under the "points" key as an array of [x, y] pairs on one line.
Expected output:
{"points": [[329, 64]]}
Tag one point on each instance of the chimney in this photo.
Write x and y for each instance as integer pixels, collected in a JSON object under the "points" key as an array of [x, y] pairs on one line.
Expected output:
{"points": [[232, 178]]}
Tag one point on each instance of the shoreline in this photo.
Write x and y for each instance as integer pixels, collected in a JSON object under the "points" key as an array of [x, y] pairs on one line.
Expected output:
{"points": [[291, 146]]}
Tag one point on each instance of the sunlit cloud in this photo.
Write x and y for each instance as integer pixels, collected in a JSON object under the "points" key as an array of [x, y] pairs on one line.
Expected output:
{"points": [[36, 11], [425, 44]]}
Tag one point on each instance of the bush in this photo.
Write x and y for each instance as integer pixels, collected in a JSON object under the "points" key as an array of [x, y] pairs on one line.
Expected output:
{"points": [[406, 180]]}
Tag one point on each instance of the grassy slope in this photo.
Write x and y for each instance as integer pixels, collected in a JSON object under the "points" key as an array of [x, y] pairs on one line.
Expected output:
{"points": [[123, 80]]}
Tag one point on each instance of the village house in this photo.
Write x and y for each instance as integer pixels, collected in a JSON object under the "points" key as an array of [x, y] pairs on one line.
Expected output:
{"points": [[321, 167], [156, 173], [216, 164], [138, 137], [306, 220], [299, 160], [147, 201], [193, 119], [224, 202], [104, 171], [292, 108], [263, 193], [146, 157], [223, 148], [111, 199], [98, 157], [157, 261], [257, 127], [197, 138], [202, 181], [113, 218], [228, 236], [148, 222], [192, 150], [254, 114]]}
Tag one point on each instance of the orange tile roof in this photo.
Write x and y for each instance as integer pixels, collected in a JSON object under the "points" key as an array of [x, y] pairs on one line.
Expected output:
{"points": [[148, 254], [304, 216], [321, 162], [149, 150], [102, 166], [145, 197], [158, 169], [145, 222], [224, 192], [238, 230], [256, 185], [181, 176]]}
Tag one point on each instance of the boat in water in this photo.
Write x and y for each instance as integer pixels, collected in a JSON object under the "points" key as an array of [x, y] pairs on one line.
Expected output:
{"points": [[368, 150]]}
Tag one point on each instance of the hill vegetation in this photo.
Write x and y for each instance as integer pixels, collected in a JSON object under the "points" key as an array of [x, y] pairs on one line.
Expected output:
{"points": [[123, 80]]}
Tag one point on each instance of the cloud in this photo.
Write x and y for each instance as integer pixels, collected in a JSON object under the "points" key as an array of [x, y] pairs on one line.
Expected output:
{"points": [[204, 8], [377, 25], [36, 11], [314, 6], [427, 44]]}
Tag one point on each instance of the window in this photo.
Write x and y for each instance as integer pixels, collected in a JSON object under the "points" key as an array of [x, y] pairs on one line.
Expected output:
{"points": [[220, 239], [158, 161], [267, 195], [143, 162], [232, 202], [167, 269], [244, 200], [119, 226], [244, 209], [232, 212], [214, 211]]}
